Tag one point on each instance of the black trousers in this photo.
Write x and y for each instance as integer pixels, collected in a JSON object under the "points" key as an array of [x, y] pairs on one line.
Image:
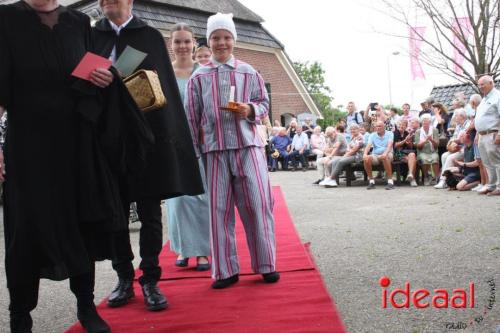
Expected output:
{"points": [[24, 297], [150, 244]]}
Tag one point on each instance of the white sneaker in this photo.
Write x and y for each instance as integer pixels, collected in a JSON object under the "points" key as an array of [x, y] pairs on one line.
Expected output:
{"points": [[441, 185], [331, 183], [323, 182], [427, 181], [413, 183], [479, 187]]}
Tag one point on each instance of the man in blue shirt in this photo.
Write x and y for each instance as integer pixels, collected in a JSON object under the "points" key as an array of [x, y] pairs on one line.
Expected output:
{"points": [[281, 143], [300, 149], [381, 142]]}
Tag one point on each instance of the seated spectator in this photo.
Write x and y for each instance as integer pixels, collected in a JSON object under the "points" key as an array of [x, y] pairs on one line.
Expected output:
{"points": [[364, 130], [270, 150], [381, 141], [264, 130], [441, 117], [292, 128], [469, 166], [404, 150], [413, 126], [471, 107], [282, 143], [354, 154], [308, 127], [393, 118], [336, 145], [300, 149], [274, 132], [340, 127], [317, 143], [426, 142], [426, 107], [407, 116], [458, 103], [440, 121], [454, 145]]}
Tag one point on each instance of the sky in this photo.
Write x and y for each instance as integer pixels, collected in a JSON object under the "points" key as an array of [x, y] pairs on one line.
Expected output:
{"points": [[347, 38]]}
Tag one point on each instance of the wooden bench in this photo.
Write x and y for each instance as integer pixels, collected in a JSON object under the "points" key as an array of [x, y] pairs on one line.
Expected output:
{"points": [[397, 168]]}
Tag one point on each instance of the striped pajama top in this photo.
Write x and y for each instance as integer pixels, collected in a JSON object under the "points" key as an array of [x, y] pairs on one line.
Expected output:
{"points": [[208, 89]]}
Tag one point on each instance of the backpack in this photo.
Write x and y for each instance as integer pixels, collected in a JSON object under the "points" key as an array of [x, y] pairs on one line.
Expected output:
{"points": [[356, 118]]}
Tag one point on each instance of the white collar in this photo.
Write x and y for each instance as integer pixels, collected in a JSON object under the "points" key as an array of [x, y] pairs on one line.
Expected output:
{"points": [[231, 62], [116, 28]]}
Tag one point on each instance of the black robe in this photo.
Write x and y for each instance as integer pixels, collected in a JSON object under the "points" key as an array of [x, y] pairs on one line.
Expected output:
{"points": [[61, 201], [172, 168]]}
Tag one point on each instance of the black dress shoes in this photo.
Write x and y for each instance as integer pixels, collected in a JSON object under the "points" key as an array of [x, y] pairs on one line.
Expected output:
{"points": [[153, 298], [122, 293], [21, 323], [271, 277], [224, 283], [91, 321]]}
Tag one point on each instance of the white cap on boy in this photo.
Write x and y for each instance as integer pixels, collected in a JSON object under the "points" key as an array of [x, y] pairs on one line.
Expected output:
{"points": [[221, 21]]}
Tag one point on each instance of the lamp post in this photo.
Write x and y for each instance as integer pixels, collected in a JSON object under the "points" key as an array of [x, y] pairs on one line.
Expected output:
{"points": [[389, 74]]}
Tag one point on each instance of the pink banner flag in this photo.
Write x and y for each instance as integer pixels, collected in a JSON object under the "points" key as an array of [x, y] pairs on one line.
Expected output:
{"points": [[415, 44], [461, 29]]}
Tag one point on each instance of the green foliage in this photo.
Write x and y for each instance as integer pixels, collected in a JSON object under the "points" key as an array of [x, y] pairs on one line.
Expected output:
{"points": [[331, 117], [312, 76], [389, 106]]}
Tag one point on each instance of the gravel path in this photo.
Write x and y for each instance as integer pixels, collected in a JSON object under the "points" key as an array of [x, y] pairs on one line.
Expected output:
{"points": [[432, 239]]}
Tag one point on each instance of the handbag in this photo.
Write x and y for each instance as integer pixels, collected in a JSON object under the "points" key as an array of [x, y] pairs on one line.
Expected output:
{"points": [[145, 88], [443, 139]]}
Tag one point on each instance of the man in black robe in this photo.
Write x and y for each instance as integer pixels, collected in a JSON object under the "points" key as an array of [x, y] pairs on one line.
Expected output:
{"points": [[171, 168], [59, 204]]}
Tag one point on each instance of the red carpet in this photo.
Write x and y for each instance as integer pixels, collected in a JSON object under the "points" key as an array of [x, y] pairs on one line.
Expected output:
{"points": [[299, 302]]}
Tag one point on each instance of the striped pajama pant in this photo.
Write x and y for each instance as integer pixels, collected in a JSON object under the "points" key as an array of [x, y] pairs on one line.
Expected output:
{"points": [[240, 177]]}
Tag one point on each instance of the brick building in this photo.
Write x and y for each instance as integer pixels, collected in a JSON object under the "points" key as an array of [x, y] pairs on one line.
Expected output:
{"points": [[255, 45]]}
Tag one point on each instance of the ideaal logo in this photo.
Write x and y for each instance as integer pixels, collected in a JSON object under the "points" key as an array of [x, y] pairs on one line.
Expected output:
{"points": [[440, 298]]}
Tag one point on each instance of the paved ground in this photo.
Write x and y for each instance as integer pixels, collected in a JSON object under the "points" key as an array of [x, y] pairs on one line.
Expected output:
{"points": [[432, 239]]}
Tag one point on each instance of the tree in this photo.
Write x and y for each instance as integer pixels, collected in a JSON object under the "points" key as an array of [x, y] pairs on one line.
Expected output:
{"points": [[312, 76], [480, 19], [331, 117]]}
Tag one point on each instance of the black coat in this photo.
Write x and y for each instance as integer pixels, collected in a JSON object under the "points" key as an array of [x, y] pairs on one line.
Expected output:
{"points": [[172, 168], [61, 201]]}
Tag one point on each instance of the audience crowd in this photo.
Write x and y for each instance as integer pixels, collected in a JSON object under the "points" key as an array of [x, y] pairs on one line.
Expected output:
{"points": [[457, 148]]}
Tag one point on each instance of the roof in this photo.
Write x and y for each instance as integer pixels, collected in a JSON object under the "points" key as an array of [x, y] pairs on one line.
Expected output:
{"points": [[211, 6], [163, 15], [61, 2], [446, 94], [207, 6]]}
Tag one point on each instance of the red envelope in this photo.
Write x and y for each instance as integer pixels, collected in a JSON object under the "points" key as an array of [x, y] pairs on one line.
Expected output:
{"points": [[88, 64]]}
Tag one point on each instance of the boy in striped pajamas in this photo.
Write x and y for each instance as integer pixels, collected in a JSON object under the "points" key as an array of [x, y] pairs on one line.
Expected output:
{"points": [[235, 160]]}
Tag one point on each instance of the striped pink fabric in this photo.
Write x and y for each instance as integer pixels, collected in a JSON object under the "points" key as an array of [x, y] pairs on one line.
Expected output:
{"points": [[208, 89]]}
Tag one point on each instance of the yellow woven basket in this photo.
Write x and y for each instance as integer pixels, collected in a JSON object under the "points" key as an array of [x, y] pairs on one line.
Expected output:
{"points": [[145, 88]]}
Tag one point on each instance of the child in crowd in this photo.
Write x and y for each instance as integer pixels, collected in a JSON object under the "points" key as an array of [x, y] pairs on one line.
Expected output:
{"points": [[202, 53]]}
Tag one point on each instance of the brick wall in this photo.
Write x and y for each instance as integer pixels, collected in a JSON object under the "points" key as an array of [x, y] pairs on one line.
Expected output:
{"points": [[285, 97]]}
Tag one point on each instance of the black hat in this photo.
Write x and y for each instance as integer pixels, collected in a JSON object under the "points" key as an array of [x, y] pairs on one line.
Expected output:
{"points": [[202, 41]]}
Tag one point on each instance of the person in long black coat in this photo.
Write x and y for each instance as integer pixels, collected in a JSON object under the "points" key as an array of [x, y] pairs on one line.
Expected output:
{"points": [[54, 167], [171, 167]]}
